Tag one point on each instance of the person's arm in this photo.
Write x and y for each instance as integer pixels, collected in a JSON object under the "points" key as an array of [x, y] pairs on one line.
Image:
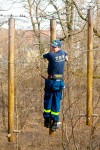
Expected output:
{"points": [[66, 57], [45, 56]]}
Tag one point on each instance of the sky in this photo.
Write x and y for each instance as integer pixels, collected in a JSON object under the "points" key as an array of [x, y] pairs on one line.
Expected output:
{"points": [[18, 10], [6, 5]]}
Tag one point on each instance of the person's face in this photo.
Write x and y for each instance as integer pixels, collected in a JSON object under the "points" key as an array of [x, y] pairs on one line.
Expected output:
{"points": [[54, 49]]}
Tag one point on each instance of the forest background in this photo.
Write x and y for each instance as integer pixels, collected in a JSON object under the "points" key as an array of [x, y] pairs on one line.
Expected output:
{"points": [[32, 38]]}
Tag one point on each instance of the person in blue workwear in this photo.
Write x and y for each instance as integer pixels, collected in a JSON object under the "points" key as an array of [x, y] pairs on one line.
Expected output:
{"points": [[54, 84]]}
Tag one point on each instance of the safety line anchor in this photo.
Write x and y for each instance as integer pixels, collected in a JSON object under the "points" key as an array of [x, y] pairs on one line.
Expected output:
{"points": [[84, 115], [16, 131], [89, 118]]}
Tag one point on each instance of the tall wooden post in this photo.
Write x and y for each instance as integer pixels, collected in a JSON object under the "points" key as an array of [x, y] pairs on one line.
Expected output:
{"points": [[11, 80], [89, 67], [52, 29], [52, 37]]}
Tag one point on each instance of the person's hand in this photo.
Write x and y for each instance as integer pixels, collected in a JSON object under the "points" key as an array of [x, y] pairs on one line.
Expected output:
{"points": [[66, 58]]}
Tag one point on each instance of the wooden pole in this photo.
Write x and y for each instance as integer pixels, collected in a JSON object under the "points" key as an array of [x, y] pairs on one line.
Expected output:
{"points": [[52, 37], [52, 30], [11, 80], [89, 68]]}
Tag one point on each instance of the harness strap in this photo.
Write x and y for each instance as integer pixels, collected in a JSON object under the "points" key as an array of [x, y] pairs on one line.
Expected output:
{"points": [[55, 76]]}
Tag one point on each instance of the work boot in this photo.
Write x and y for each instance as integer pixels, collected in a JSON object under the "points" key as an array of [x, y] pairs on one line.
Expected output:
{"points": [[54, 126], [47, 122]]}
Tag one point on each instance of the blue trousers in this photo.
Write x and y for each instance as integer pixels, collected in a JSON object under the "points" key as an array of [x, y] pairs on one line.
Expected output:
{"points": [[52, 104]]}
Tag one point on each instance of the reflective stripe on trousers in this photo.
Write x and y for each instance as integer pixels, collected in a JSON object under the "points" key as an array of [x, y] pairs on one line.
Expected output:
{"points": [[53, 113]]}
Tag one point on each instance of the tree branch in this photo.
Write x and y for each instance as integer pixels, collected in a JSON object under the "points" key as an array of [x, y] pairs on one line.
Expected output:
{"points": [[85, 19]]}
